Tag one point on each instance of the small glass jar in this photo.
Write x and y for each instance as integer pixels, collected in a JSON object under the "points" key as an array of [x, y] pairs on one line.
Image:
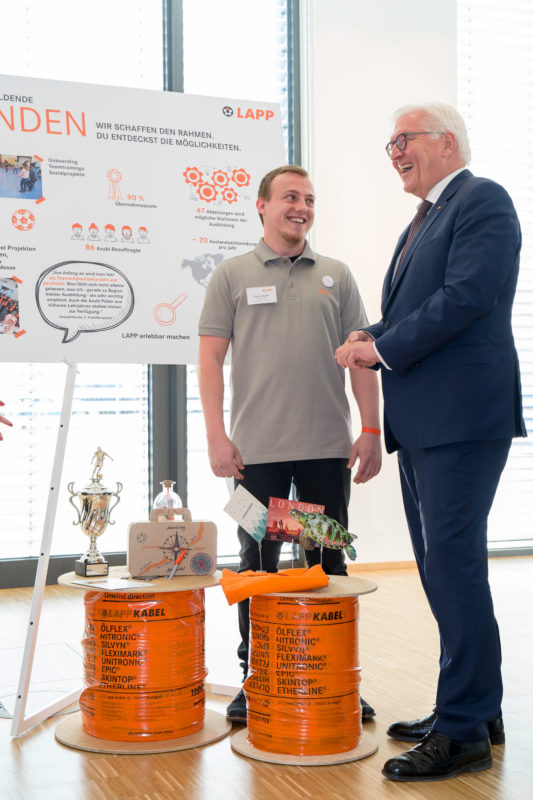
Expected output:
{"points": [[167, 497]]}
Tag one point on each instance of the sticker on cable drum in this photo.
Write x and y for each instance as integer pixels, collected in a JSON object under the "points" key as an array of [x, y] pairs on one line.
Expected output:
{"points": [[289, 727], [309, 706], [137, 716], [303, 649], [297, 665], [115, 606], [164, 648], [299, 687], [315, 656], [304, 610], [118, 674]]}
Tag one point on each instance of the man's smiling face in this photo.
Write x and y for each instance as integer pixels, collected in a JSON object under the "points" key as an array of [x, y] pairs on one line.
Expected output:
{"points": [[423, 163], [289, 212]]}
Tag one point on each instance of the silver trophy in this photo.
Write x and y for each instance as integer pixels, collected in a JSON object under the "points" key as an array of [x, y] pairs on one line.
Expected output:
{"points": [[93, 516]]}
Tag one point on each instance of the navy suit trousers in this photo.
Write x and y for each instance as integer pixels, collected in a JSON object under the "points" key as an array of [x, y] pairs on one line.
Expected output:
{"points": [[447, 492]]}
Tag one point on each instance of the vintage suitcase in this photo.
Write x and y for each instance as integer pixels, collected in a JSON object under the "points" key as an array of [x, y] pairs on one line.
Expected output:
{"points": [[164, 546]]}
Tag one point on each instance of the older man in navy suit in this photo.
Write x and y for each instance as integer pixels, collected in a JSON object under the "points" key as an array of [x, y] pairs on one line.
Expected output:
{"points": [[451, 386]]}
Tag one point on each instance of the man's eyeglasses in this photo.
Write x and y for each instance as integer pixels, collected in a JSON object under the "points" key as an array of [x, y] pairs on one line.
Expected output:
{"points": [[402, 139]]}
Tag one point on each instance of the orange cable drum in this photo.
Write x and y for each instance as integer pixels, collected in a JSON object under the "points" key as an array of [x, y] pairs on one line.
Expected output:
{"points": [[303, 688], [144, 665]]}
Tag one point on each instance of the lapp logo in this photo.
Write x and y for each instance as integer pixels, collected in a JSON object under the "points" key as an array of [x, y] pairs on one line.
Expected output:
{"points": [[249, 113]]}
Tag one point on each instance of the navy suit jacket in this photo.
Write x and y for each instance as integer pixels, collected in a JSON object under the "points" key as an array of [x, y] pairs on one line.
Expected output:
{"points": [[446, 326]]}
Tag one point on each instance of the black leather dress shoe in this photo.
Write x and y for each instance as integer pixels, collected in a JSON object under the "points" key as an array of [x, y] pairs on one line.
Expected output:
{"points": [[416, 729], [236, 711], [367, 712], [438, 757]]}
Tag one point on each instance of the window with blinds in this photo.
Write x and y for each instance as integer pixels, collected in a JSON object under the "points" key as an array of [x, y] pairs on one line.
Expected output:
{"points": [[118, 43], [245, 52], [495, 73], [109, 410]]}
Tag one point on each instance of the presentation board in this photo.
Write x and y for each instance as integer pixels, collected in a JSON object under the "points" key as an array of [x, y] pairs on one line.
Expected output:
{"points": [[116, 205]]}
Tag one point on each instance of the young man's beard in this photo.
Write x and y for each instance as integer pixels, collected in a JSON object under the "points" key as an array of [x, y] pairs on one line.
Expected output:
{"points": [[293, 238]]}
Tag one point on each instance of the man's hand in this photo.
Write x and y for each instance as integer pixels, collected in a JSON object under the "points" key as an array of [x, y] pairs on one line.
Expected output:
{"points": [[353, 354], [4, 420], [367, 448], [358, 336], [225, 459]]}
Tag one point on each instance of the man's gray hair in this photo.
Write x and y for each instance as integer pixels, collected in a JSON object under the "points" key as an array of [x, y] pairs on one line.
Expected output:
{"points": [[441, 117]]}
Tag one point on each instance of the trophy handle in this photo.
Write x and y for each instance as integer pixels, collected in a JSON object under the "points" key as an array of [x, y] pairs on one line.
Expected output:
{"points": [[71, 501], [120, 487]]}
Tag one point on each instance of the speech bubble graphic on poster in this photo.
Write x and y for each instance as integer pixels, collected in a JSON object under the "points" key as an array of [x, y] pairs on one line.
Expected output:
{"points": [[83, 297]]}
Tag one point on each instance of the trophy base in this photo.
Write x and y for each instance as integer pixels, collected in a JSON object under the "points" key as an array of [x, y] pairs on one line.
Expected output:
{"points": [[88, 570]]}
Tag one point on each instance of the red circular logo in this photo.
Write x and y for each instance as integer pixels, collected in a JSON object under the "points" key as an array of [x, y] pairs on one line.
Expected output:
{"points": [[23, 220]]}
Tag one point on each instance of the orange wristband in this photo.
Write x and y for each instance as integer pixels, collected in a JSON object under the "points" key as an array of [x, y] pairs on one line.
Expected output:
{"points": [[371, 430]]}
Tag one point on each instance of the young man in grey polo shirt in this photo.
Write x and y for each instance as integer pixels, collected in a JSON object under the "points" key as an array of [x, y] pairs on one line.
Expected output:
{"points": [[285, 310]]}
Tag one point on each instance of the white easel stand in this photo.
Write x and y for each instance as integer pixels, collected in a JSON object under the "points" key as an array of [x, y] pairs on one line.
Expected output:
{"points": [[21, 723]]}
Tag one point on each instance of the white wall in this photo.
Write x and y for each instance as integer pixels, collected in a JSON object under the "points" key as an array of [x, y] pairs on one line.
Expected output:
{"points": [[364, 60]]}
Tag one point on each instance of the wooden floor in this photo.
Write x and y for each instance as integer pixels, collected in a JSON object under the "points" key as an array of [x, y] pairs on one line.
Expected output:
{"points": [[398, 657]]}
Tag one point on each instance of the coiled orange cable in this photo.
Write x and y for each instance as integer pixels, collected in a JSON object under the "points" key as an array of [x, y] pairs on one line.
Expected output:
{"points": [[303, 689], [144, 665]]}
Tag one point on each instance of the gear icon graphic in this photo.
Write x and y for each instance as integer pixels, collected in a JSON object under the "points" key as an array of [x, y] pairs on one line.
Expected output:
{"points": [[193, 175], [229, 195], [220, 178], [240, 177], [23, 220], [207, 192]]}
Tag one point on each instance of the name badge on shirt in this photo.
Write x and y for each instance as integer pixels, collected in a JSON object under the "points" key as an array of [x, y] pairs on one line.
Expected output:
{"points": [[261, 294]]}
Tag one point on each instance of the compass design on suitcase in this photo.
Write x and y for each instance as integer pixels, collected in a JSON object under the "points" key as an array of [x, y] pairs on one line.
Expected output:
{"points": [[174, 546]]}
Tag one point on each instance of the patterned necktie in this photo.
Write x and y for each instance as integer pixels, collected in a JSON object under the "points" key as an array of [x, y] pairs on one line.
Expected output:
{"points": [[416, 224]]}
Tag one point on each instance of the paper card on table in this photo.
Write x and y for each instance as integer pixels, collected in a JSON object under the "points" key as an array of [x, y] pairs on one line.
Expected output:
{"points": [[114, 584], [248, 512]]}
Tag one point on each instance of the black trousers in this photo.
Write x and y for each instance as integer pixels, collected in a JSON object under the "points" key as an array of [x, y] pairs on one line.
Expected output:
{"points": [[325, 481]]}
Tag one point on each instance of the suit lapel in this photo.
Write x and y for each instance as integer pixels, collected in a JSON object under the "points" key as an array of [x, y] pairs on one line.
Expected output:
{"points": [[438, 208], [426, 225], [388, 275]]}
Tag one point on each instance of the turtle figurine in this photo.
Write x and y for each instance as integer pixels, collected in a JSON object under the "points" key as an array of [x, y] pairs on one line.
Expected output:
{"points": [[324, 530]]}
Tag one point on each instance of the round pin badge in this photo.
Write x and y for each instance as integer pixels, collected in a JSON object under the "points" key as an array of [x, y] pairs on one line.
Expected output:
{"points": [[328, 281]]}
